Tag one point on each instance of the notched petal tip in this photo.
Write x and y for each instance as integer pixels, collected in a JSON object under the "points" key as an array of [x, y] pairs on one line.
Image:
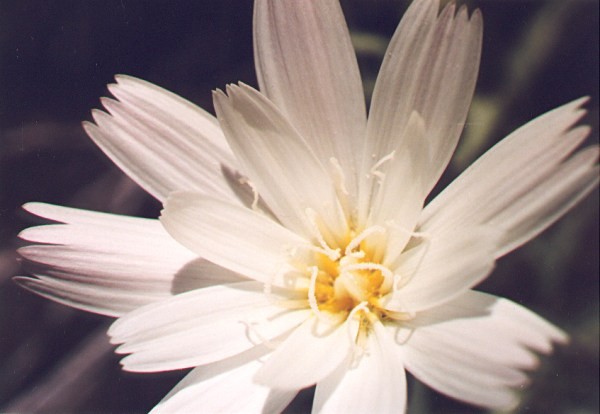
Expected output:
{"points": [[23, 281], [221, 102], [33, 207], [577, 107], [88, 127], [459, 12], [246, 87], [555, 337], [580, 102], [218, 93], [477, 16], [27, 235], [121, 77], [121, 330], [37, 287], [42, 210], [475, 23], [128, 80], [230, 88], [108, 103], [100, 116], [121, 348], [234, 90], [561, 338], [113, 89], [422, 9]]}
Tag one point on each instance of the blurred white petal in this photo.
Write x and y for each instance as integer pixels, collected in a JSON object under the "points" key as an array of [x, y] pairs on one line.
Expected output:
{"points": [[524, 183], [306, 65], [442, 268], [86, 296], [399, 195], [308, 355], [225, 387], [475, 348], [376, 383], [284, 168], [233, 237], [162, 141], [220, 321], [115, 263], [430, 67]]}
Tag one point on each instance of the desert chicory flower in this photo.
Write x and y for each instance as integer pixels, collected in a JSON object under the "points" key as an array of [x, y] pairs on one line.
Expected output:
{"points": [[294, 247]]}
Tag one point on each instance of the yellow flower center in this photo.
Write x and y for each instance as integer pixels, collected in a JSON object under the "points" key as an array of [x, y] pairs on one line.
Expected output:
{"points": [[348, 277]]}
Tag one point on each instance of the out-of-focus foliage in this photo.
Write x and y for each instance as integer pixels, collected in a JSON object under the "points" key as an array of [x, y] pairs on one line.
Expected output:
{"points": [[55, 59]]}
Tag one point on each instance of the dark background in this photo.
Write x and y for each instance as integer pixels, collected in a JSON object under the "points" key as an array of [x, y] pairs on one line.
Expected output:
{"points": [[56, 58]]}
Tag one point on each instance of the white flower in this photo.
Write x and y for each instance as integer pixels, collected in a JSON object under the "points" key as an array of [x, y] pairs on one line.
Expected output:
{"points": [[312, 258]]}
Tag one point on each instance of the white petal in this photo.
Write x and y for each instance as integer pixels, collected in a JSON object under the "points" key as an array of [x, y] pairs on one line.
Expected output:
{"points": [[441, 268], [400, 195], [85, 296], [430, 67], [114, 263], [162, 141], [234, 237], [308, 355], [287, 174], [225, 387], [475, 347], [377, 384], [549, 201], [306, 66], [201, 326], [524, 183]]}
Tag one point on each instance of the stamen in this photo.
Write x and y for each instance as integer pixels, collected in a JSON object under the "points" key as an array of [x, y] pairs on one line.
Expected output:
{"points": [[355, 242], [377, 173], [277, 300], [331, 254], [361, 306], [328, 251], [387, 273], [293, 259], [395, 226], [400, 282], [357, 255], [251, 328], [341, 190], [339, 175], [268, 285], [400, 316]]}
